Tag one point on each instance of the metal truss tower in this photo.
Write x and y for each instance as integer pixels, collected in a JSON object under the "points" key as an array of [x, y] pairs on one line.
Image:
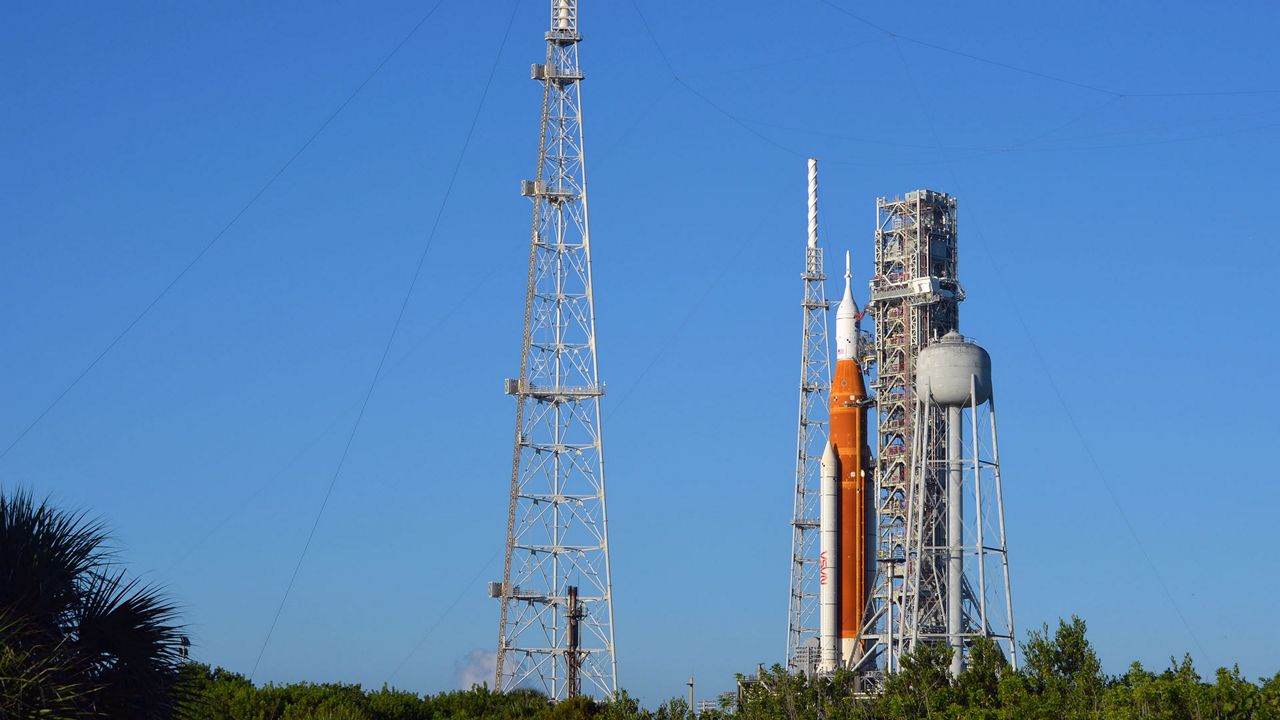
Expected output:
{"points": [[815, 384], [915, 296], [556, 627]]}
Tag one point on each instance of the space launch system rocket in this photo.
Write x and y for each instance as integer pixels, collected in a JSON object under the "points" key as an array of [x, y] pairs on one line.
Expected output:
{"points": [[847, 528]]}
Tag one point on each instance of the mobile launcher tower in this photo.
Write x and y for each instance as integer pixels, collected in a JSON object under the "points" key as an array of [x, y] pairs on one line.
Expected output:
{"points": [[912, 542]]}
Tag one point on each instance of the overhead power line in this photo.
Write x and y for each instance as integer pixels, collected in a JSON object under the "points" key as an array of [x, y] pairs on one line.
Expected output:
{"points": [[1039, 74], [155, 300], [1098, 473], [666, 60], [395, 328]]}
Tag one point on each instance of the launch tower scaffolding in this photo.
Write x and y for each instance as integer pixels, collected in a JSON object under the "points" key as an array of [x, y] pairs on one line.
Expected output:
{"points": [[556, 624], [915, 297]]}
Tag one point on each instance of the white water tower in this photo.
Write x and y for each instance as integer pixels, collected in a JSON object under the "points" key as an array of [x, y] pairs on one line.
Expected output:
{"points": [[961, 538]]}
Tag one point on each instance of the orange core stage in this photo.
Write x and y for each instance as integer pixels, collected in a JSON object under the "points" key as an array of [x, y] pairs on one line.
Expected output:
{"points": [[849, 439]]}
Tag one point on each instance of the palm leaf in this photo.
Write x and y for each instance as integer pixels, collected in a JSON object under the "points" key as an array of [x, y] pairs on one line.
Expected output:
{"points": [[128, 638], [74, 632], [45, 555]]}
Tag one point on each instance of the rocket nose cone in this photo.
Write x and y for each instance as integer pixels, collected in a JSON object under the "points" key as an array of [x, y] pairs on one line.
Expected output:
{"points": [[829, 461]]}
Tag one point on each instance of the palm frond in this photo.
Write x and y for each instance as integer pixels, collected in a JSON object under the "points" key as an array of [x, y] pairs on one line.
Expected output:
{"points": [[38, 679], [74, 632], [45, 554], [128, 637]]}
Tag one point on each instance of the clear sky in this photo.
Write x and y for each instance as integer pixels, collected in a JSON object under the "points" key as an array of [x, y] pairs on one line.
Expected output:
{"points": [[1117, 242]]}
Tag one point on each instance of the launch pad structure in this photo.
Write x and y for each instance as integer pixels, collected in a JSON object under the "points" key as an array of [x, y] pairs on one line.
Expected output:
{"points": [[941, 571], [898, 535], [915, 296]]}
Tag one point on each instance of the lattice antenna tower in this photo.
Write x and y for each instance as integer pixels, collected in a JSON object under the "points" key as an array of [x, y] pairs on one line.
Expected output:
{"points": [[556, 625], [811, 439]]}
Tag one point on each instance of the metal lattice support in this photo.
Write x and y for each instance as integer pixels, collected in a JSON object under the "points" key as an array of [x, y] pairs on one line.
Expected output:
{"points": [[815, 384], [956, 535], [556, 627], [915, 296]]}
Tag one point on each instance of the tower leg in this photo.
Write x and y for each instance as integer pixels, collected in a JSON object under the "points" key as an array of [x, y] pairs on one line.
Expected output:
{"points": [[1004, 547], [955, 539], [978, 509]]}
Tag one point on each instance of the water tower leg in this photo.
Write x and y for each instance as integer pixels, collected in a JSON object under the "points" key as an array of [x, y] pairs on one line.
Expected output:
{"points": [[955, 560]]}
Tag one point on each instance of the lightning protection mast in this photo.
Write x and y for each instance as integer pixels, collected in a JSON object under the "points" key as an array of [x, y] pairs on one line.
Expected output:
{"points": [[807, 566], [556, 626]]}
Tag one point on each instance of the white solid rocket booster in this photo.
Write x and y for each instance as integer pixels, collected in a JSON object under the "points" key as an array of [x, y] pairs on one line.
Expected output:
{"points": [[829, 563]]}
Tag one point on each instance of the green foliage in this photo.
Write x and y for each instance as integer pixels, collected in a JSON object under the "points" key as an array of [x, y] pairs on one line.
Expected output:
{"points": [[1179, 693], [77, 638], [922, 687], [34, 678], [778, 694], [1063, 672], [1061, 677], [216, 694], [621, 707]]}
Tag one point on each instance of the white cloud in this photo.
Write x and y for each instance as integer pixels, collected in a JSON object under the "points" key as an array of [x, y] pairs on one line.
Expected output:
{"points": [[476, 668]]}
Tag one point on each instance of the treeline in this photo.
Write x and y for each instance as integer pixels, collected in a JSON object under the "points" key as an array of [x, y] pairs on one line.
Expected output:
{"points": [[216, 694], [1060, 678]]}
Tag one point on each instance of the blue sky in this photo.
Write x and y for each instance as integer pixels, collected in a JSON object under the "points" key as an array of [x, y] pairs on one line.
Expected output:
{"points": [[1117, 246]]}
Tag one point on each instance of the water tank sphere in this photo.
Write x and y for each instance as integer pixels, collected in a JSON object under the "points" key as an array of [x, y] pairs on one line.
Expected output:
{"points": [[949, 367]]}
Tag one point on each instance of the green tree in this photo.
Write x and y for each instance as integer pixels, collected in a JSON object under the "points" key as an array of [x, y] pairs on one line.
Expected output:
{"points": [[1064, 672], [1234, 698], [77, 637], [1269, 698], [978, 686], [921, 688], [778, 694], [622, 707], [1060, 680]]}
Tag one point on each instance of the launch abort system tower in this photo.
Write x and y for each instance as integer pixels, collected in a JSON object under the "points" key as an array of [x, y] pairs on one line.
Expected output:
{"points": [[556, 626]]}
